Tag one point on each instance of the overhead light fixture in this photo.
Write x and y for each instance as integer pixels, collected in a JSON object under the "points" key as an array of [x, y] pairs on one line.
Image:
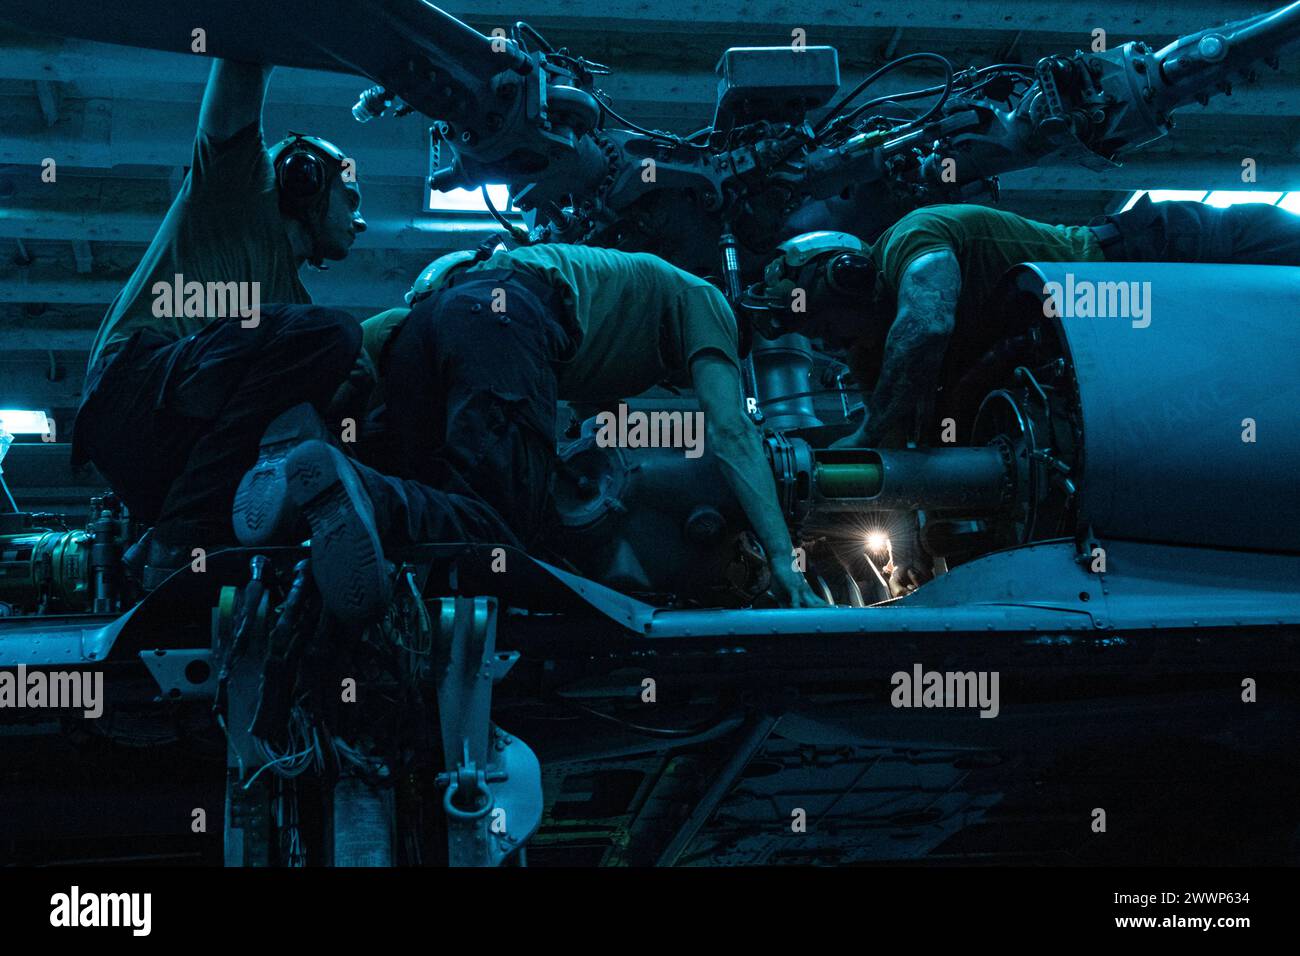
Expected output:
{"points": [[1220, 198], [17, 421], [471, 200], [1223, 198]]}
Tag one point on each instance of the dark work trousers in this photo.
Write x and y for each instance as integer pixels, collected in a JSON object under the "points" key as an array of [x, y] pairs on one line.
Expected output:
{"points": [[470, 394], [410, 512], [1194, 232], [174, 424]]}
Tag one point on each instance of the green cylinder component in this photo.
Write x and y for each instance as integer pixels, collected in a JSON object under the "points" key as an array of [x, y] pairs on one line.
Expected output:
{"points": [[34, 564], [858, 480]]}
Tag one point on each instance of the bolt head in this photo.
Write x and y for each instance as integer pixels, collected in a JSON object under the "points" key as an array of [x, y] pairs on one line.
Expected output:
{"points": [[1212, 47]]}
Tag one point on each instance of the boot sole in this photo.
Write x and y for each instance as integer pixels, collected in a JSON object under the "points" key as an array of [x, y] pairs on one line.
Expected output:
{"points": [[263, 511], [347, 558]]}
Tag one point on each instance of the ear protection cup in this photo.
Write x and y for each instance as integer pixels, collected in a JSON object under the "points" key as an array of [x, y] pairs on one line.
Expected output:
{"points": [[301, 175], [303, 167]]}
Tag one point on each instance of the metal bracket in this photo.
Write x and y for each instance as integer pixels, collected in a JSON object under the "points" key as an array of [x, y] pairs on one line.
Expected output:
{"points": [[1056, 126], [492, 788], [182, 674], [1085, 543]]}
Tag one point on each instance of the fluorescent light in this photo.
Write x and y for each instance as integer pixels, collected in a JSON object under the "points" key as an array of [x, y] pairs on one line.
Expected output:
{"points": [[1223, 198], [471, 200], [1219, 198], [1177, 195], [18, 421], [1133, 200], [1165, 195]]}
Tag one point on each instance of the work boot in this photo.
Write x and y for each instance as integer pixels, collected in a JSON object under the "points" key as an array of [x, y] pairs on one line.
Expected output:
{"points": [[347, 558], [263, 511], [171, 547]]}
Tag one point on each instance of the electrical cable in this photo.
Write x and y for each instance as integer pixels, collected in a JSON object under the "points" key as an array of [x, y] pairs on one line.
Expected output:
{"points": [[1017, 67], [889, 67], [273, 765], [831, 122], [930, 90], [947, 88], [516, 233], [371, 768], [911, 95], [793, 395], [522, 27], [301, 733], [653, 133], [907, 123], [661, 732], [289, 825]]}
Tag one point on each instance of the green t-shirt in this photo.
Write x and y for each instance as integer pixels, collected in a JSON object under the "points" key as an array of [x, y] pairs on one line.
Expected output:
{"points": [[377, 330], [642, 320], [987, 242], [223, 226]]}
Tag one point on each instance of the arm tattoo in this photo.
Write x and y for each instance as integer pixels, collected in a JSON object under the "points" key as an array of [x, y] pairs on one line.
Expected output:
{"points": [[914, 350]]}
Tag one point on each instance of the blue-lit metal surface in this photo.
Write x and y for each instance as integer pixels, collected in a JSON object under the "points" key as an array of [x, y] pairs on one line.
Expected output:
{"points": [[1164, 405]]}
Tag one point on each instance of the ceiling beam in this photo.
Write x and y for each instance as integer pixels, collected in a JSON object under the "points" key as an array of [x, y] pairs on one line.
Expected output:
{"points": [[356, 283], [36, 339], [392, 214], [25, 383], [685, 16], [762, 18], [687, 90], [101, 133]]}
